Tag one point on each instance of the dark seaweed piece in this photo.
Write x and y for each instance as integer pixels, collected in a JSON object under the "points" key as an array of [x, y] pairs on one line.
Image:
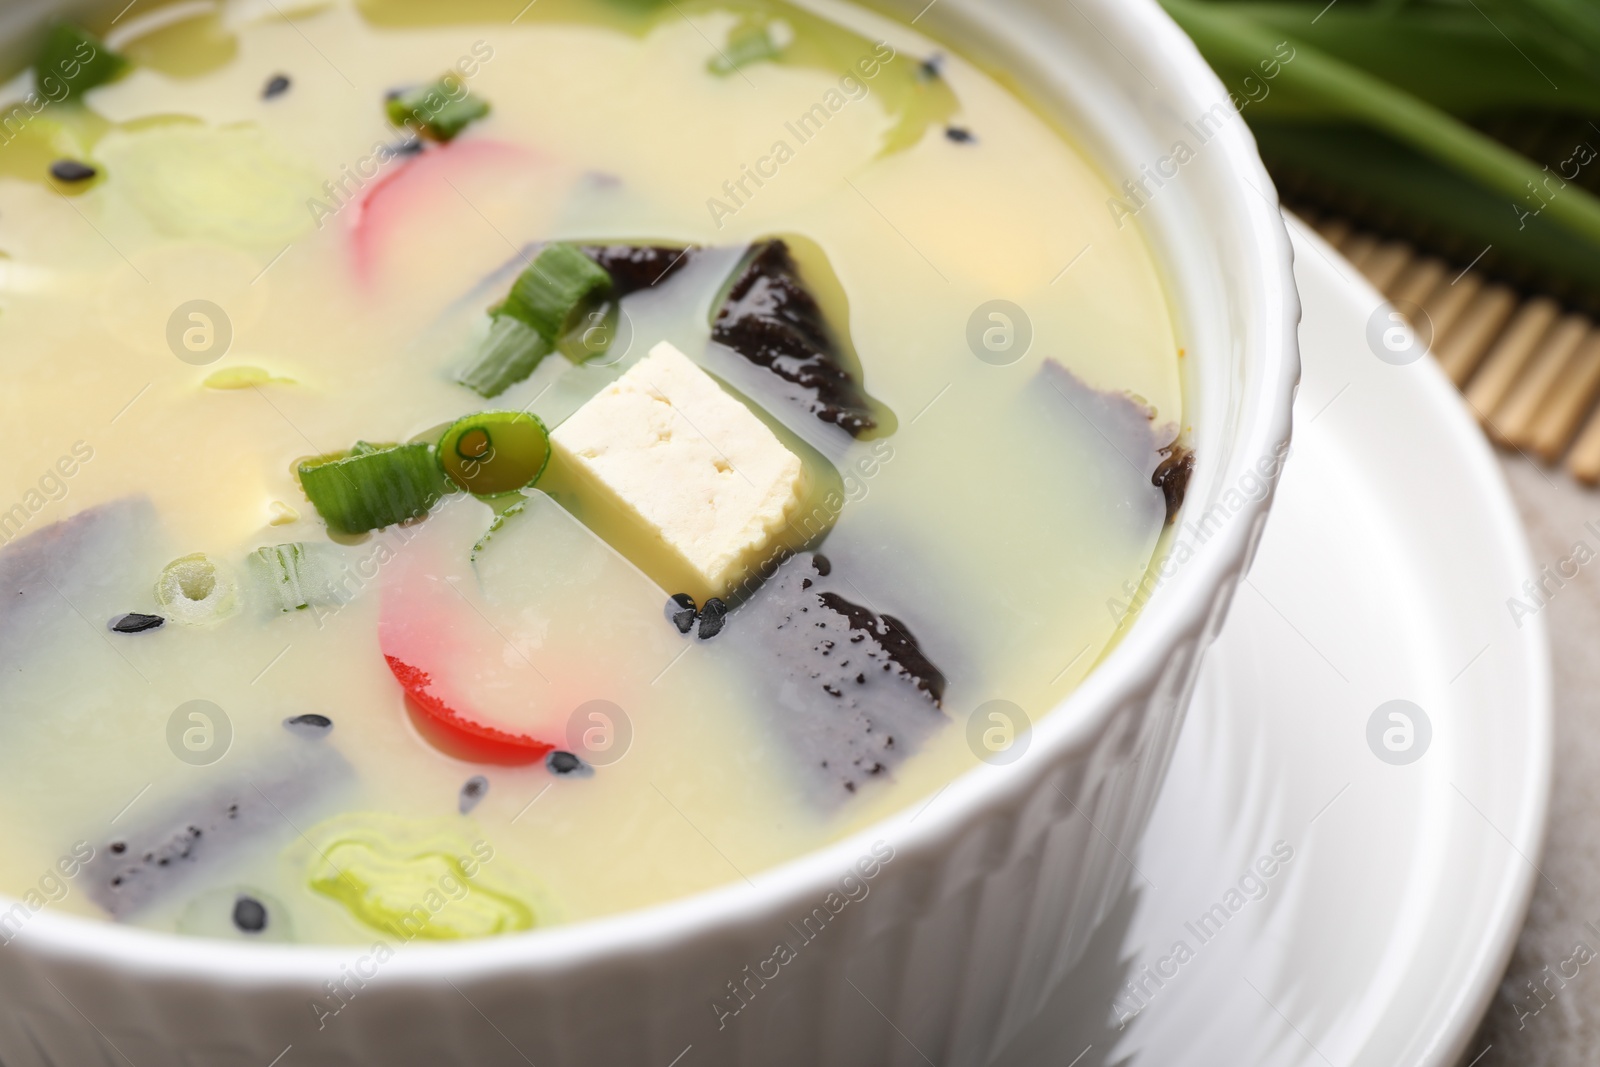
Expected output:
{"points": [[277, 85], [850, 691], [681, 611], [635, 267], [1172, 477], [308, 725], [249, 915], [70, 170], [712, 618], [895, 640], [959, 134], [135, 623], [476, 788], [566, 764], [774, 321]]}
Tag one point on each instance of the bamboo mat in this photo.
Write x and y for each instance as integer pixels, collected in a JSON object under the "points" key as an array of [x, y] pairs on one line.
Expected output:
{"points": [[1528, 367]]}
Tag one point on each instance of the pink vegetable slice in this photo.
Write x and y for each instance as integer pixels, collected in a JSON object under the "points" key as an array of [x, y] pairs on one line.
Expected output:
{"points": [[456, 732], [416, 192], [471, 692]]}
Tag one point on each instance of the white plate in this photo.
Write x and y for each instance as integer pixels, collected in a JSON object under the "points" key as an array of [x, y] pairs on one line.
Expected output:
{"points": [[1383, 575]]}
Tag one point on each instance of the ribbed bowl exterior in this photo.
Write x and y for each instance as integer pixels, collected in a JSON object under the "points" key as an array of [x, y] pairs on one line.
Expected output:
{"points": [[930, 939], [947, 955]]}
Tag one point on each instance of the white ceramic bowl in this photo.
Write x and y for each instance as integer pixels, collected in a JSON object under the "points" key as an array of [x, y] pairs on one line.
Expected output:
{"points": [[993, 888]]}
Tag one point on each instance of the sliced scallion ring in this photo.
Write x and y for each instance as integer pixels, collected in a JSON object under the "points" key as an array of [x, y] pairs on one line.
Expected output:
{"points": [[512, 351], [495, 452], [75, 58], [372, 486], [285, 571], [556, 290], [438, 111]]}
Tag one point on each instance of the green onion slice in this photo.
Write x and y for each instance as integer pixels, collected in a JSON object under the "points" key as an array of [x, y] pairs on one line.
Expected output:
{"points": [[556, 291], [495, 452], [499, 521], [195, 589], [511, 353], [438, 111], [372, 486], [753, 40], [287, 572], [559, 301], [591, 338], [74, 58]]}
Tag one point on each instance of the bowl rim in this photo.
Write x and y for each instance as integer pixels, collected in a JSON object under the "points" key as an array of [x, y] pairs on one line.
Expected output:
{"points": [[1068, 728]]}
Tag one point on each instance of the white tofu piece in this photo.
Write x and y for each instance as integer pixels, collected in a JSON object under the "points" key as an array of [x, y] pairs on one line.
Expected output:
{"points": [[686, 469]]}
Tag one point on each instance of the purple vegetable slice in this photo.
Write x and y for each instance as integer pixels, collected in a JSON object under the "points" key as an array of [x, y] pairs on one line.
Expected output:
{"points": [[849, 690], [153, 860], [1127, 424]]}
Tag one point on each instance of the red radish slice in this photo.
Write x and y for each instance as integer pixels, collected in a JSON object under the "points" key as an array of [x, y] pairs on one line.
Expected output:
{"points": [[498, 658], [416, 190], [472, 740], [474, 691]]}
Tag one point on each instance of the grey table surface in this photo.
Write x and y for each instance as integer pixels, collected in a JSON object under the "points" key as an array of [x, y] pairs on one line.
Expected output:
{"points": [[1539, 1017]]}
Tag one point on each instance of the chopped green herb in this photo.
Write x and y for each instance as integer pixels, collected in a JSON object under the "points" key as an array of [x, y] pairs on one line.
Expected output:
{"points": [[73, 61], [379, 866], [556, 289], [373, 486], [494, 526], [547, 307], [495, 452], [287, 572], [195, 590], [511, 353], [438, 111], [242, 378], [751, 41]]}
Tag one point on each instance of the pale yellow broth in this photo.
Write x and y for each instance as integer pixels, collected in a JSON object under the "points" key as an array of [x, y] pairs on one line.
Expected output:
{"points": [[987, 531]]}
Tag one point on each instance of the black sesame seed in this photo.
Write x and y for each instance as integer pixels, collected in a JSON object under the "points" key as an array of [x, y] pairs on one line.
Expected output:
{"points": [[561, 762], [70, 170], [119, 847], [408, 147], [249, 915], [308, 725], [820, 563], [135, 623], [959, 135], [681, 611], [931, 67], [473, 792], [712, 618], [277, 85]]}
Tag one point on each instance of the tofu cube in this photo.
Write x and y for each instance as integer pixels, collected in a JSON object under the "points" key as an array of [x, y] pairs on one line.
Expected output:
{"points": [[679, 475]]}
